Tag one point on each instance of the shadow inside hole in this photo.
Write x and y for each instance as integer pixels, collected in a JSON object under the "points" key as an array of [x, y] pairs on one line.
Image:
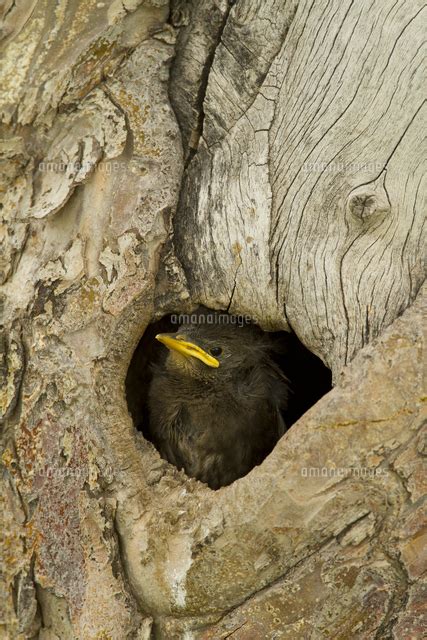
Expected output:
{"points": [[309, 378]]}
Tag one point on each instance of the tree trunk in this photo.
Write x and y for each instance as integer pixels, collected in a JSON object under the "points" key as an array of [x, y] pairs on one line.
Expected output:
{"points": [[258, 156]]}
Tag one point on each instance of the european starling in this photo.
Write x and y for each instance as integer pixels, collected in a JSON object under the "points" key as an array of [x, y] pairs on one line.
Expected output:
{"points": [[215, 402]]}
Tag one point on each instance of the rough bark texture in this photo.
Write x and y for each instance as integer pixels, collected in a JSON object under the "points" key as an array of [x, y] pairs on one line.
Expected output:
{"points": [[118, 209]]}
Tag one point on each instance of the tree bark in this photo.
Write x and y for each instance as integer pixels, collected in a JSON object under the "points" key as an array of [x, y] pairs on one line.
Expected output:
{"points": [[262, 157]]}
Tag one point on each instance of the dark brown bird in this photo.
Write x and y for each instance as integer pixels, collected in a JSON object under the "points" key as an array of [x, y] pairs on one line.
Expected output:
{"points": [[215, 402]]}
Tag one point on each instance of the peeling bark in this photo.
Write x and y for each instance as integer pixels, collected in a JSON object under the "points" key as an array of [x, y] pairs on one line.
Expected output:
{"points": [[154, 158]]}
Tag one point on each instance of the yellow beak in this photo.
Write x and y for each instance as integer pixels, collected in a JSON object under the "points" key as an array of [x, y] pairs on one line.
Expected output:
{"points": [[187, 349]]}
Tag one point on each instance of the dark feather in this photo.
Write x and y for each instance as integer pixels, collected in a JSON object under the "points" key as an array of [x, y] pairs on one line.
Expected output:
{"points": [[217, 424]]}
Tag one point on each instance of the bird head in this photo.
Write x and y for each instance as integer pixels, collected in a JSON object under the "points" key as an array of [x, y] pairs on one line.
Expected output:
{"points": [[213, 352]]}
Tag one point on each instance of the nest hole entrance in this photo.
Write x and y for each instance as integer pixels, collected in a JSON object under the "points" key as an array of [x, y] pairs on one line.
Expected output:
{"points": [[309, 379]]}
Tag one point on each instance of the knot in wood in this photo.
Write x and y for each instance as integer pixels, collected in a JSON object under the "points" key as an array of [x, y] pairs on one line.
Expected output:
{"points": [[363, 205], [369, 201]]}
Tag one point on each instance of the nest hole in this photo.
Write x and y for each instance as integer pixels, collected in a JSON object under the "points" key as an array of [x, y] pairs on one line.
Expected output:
{"points": [[309, 379]]}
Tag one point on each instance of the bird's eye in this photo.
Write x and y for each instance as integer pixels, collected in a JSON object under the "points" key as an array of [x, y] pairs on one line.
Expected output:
{"points": [[215, 351]]}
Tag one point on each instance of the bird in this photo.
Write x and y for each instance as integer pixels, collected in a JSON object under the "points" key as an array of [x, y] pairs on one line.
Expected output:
{"points": [[216, 400]]}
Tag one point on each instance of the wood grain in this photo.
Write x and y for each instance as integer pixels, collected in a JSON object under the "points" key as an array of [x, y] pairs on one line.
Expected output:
{"points": [[270, 201]]}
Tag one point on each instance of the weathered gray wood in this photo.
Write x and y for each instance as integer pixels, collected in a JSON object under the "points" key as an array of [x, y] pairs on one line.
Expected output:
{"points": [[270, 202], [99, 537]]}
